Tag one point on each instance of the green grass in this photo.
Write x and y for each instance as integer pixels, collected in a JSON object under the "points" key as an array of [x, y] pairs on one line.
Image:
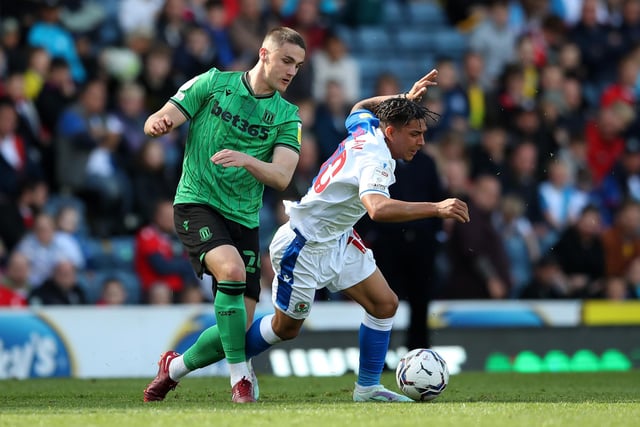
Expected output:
{"points": [[472, 399]]}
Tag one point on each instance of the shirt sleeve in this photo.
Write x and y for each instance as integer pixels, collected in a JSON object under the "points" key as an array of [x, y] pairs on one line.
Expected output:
{"points": [[363, 119], [194, 93], [290, 134], [375, 177]]}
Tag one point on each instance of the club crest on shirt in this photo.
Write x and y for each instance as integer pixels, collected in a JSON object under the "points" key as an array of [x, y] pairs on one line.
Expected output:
{"points": [[268, 117]]}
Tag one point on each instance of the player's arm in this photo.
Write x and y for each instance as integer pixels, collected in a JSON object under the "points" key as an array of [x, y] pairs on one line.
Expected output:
{"points": [[164, 120], [416, 93], [384, 209], [276, 174]]}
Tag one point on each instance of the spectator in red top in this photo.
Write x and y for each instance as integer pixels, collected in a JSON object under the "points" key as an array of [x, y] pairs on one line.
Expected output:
{"points": [[307, 20], [604, 136], [624, 88], [17, 215], [158, 258], [14, 283], [16, 161]]}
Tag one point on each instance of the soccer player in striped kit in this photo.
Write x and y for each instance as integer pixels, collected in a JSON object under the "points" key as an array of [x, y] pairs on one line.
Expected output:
{"points": [[242, 136]]}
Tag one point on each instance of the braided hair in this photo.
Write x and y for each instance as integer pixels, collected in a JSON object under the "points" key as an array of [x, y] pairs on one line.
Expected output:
{"points": [[400, 111]]}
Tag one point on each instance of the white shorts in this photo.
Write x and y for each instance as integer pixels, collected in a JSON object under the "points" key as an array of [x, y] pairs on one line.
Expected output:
{"points": [[302, 267]]}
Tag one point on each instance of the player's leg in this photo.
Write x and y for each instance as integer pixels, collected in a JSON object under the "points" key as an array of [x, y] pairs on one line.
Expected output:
{"points": [[293, 289], [269, 330], [380, 303], [196, 225], [207, 349], [227, 266]]}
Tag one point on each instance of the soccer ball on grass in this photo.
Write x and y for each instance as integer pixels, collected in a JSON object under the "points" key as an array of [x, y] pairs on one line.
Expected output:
{"points": [[422, 374]]}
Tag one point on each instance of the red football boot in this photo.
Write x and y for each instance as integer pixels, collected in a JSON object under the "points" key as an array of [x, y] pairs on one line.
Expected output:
{"points": [[242, 391], [162, 383]]}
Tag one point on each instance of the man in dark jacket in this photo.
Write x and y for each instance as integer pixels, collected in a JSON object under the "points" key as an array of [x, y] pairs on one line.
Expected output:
{"points": [[62, 288]]}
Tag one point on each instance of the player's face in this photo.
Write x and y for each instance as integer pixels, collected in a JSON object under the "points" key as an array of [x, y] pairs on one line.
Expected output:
{"points": [[281, 64], [406, 141]]}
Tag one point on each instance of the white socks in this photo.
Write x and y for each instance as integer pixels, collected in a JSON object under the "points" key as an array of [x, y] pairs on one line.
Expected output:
{"points": [[177, 368], [237, 371], [266, 330]]}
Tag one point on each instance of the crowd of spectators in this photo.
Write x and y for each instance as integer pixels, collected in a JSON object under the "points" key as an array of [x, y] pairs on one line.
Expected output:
{"points": [[538, 130]]}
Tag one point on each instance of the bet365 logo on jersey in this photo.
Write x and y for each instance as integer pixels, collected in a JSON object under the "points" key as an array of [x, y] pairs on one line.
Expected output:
{"points": [[239, 123]]}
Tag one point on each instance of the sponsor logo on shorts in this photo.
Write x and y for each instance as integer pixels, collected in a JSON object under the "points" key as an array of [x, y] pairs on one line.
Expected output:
{"points": [[205, 234], [302, 307]]}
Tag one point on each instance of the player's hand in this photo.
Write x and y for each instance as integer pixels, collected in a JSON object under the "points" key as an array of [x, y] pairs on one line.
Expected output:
{"points": [[454, 209], [419, 88], [228, 158], [160, 126], [497, 288]]}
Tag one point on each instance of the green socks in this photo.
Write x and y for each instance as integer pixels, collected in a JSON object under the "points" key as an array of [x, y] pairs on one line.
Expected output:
{"points": [[206, 350], [231, 317]]}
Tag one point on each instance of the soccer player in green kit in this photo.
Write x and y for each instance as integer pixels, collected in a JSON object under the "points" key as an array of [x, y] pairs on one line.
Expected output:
{"points": [[242, 136]]}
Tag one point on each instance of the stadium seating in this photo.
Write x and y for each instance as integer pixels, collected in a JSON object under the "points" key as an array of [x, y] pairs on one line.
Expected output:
{"points": [[450, 43], [115, 252], [374, 41], [412, 37], [426, 14]]}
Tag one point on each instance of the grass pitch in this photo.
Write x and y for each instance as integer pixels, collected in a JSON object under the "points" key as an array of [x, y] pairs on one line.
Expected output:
{"points": [[472, 399]]}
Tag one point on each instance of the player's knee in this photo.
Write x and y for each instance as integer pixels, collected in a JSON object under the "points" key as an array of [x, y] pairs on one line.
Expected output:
{"points": [[286, 331], [386, 308], [231, 271]]}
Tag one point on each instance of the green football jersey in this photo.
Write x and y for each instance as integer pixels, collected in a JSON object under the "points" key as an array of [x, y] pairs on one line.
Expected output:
{"points": [[225, 113]]}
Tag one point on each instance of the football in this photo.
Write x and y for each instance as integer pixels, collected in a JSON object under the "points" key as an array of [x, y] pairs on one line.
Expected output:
{"points": [[422, 374]]}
